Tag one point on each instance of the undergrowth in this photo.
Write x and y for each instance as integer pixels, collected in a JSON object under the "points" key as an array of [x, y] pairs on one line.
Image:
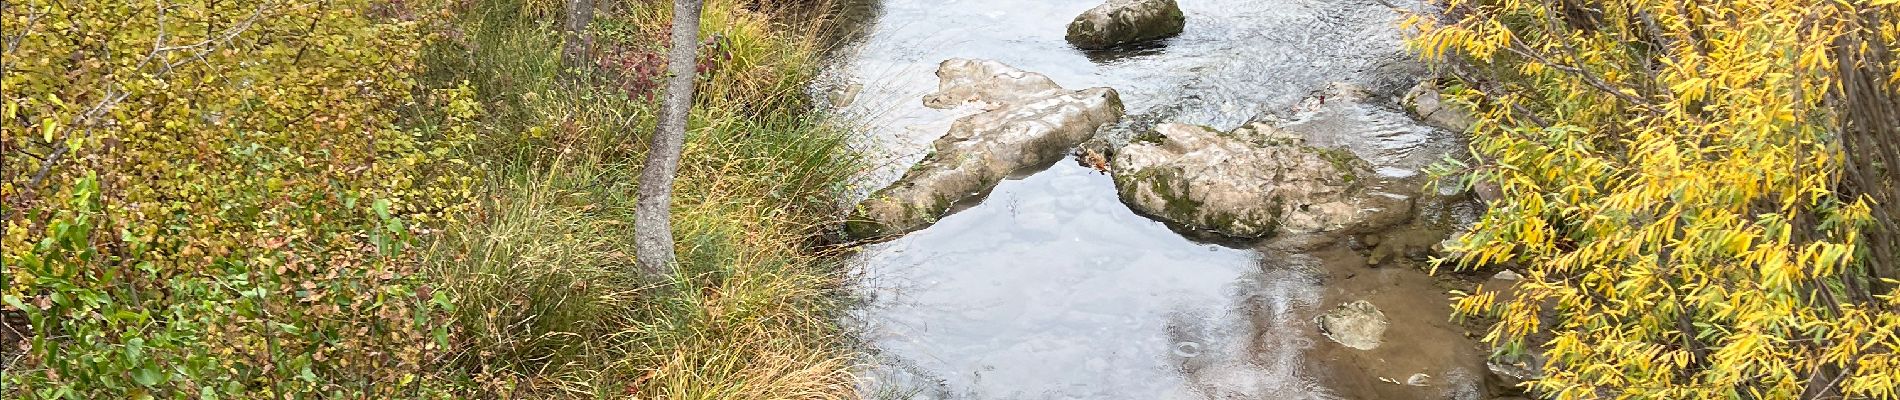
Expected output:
{"points": [[543, 268], [405, 199]]}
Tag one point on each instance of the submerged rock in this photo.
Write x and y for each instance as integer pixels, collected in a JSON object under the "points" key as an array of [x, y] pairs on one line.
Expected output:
{"points": [[1030, 121], [1126, 21], [1425, 102], [1357, 325], [1252, 182]]}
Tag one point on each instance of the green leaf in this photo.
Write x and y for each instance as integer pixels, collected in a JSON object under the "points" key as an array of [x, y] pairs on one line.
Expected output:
{"points": [[47, 127], [382, 208], [149, 375], [135, 350], [442, 300], [14, 301]]}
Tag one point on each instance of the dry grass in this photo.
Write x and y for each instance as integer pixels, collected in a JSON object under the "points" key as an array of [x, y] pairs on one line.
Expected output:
{"points": [[543, 272]]}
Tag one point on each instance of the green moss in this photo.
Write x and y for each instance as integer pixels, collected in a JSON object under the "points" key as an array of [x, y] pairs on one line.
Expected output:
{"points": [[1226, 223], [939, 203], [1169, 25], [1178, 206], [1153, 137], [1347, 164], [1411, 104]]}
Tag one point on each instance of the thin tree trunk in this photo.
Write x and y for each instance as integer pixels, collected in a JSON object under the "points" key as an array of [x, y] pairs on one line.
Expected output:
{"points": [[1870, 123], [580, 13], [653, 230]]}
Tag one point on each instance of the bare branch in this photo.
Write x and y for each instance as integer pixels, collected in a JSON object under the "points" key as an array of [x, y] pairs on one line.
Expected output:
{"points": [[1589, 78], [13, 43]]}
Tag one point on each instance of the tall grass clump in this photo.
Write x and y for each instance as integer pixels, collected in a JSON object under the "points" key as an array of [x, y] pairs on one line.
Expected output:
{"points": [[549, 304]]}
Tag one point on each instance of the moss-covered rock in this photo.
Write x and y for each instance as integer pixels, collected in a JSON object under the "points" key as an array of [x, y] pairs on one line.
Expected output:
{"points": [[1121, 22], [1252, 182]]}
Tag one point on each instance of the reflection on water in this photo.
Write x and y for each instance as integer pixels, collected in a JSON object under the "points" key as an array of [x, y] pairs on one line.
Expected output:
{"points": [[1255, 351], [1053, 289]]}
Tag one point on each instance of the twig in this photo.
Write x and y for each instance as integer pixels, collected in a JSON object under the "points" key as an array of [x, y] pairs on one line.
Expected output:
{"points": [[321, 7], [13, 43], [1588, 77], [1461, 70]]}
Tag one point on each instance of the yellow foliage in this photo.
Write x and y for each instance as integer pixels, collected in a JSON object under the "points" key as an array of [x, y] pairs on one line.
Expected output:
{"points": [[1669, 174], [212, 198]]}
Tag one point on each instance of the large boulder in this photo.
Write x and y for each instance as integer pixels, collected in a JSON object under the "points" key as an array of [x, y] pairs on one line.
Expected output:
{"points": [[1029, 121], [1251, 182], [1126, 21]]}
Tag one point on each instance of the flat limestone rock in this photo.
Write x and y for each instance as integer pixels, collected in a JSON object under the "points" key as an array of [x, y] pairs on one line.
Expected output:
{"points": [[1030, 121]]}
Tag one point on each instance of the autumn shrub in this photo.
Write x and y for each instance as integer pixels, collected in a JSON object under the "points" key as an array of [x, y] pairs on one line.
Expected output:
{"points": [[220, 199], [543, 266], [1672, 186], [404, 199]]}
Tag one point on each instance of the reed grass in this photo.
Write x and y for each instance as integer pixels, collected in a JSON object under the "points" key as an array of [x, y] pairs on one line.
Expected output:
{"points": [[549, 303]]}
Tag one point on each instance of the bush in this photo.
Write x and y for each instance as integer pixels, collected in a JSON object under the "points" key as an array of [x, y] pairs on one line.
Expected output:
{"points": [[217, 199], [1671, 178]]}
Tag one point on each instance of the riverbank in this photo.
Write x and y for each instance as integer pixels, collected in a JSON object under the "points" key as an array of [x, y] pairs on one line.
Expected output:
{"points": [[407, 199], [542, 268]]}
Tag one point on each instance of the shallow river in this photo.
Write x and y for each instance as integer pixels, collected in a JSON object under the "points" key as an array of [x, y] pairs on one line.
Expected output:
{"points": [[1051, 288]]}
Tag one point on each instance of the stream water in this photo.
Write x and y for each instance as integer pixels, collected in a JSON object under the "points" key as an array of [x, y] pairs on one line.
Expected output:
{"points": [[1051, 288]]}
